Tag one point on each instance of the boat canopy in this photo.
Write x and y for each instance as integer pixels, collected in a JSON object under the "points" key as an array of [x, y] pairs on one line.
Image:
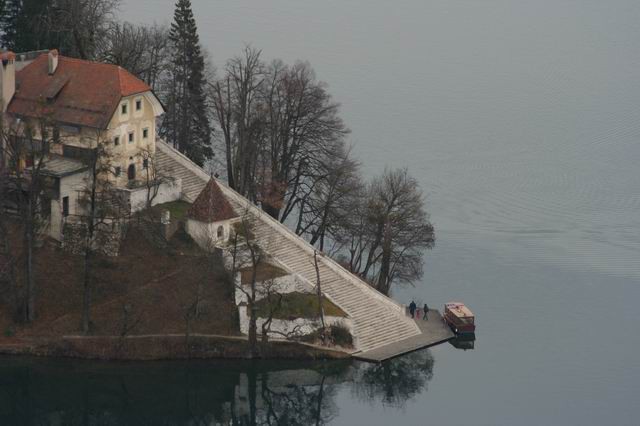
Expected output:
{"points": [[459, 309]]}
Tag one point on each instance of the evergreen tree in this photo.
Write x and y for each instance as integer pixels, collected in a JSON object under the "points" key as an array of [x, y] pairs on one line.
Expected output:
{"points": [[12, 13], [24, 25], [186, 124]]}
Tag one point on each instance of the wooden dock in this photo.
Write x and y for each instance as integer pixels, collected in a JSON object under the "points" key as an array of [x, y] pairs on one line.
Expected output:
{"points": [[433, 332]]}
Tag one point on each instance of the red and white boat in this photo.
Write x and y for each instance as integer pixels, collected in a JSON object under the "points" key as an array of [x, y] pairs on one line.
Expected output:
{"points": [[459, 318]]}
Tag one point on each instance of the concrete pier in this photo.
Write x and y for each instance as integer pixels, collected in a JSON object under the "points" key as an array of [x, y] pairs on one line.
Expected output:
{"points": [[433, 332]]}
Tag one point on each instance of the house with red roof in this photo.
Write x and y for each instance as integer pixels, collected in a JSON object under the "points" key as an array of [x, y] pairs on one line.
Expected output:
{"points": [[89, 104]]}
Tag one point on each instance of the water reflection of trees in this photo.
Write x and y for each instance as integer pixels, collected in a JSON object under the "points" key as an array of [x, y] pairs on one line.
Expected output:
{"points": [[290, 397], [395, 381], [46, 392]]}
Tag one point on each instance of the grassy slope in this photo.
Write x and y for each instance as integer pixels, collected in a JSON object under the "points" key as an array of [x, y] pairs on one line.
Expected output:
{"points": [[157, 285], [299, 305]]}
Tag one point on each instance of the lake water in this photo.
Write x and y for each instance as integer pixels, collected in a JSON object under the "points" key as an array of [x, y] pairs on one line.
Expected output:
{"points": [[522, 122]]}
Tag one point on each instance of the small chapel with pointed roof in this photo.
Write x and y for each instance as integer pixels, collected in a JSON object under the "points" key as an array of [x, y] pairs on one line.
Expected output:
{"points": [[210, 217]]}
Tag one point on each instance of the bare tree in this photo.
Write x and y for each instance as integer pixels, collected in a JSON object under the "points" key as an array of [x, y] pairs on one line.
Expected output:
{"points": [[100, 218], [270, 292], [154, 177], [82, 25], [245, 251], [304, 133], [142, 50], [329, 204], [238, 114], [389, 231], [282, 138], [319, 293], [25, 150], [8, 287]]}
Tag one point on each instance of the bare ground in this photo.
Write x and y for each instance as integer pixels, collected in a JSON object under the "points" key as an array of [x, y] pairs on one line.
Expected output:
{"points": [[156, 286]]}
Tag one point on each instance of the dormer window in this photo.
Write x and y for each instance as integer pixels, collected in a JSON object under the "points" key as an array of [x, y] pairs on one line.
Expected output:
{"points": [[124, 109], [138, 104]]}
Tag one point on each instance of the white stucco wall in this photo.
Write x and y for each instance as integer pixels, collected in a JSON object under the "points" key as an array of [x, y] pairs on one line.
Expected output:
{"points": [[70, 186], [206, 234], [287, 284], [167, 191], [298, 327]]}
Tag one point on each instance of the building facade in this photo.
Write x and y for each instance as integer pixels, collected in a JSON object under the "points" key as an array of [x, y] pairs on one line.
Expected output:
{"points": [[86, 108]]}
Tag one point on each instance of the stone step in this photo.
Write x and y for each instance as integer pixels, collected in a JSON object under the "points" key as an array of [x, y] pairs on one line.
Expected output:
{"points": [[377, 321], [368, 344]]}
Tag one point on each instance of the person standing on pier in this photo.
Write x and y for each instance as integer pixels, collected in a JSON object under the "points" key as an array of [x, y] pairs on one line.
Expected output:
{"points": [[426, 310], [412, 308]]}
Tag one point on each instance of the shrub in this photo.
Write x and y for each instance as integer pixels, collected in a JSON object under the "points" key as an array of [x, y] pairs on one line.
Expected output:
{"points": [[341, 335], [338, 335]]}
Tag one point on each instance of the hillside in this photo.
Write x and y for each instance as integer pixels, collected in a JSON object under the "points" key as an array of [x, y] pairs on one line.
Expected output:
{"points": [[149, 289]]}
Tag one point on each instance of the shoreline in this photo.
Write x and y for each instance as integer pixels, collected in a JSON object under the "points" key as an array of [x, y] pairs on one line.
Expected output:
{"points": [[161, 347]]}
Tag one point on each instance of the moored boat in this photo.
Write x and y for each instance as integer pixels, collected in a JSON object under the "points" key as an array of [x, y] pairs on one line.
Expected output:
{"points": [[459, 318]]}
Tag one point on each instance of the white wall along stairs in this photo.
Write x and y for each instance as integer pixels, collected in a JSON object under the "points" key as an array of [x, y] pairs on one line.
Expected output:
{"points": [[378, 320]]}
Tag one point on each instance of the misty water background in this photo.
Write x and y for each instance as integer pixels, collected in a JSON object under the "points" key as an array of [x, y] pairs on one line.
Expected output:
{"points": [[521, 120]]}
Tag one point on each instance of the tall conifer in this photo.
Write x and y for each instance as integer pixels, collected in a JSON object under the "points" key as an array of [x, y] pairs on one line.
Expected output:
{"points": [[186, 124], [23, 24], [12, 16]]}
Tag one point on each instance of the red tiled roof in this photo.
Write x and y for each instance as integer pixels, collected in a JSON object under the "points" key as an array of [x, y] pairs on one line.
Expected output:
{"points": [[80, 92], [211, 205]]}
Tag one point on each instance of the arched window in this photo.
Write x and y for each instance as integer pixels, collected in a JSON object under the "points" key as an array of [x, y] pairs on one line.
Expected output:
{"points": [[220, 231]]}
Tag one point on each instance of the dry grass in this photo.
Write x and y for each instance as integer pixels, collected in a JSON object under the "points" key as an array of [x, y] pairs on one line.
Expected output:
{"points": [[157, 287], [177, 209], [264, 271], [298, 305]]}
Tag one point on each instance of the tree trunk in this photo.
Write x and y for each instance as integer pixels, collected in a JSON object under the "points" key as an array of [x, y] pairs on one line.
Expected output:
{"points": [[253, 328], [86, 294], [385, 262], [29, 297], [253, 310], [319, 291]]}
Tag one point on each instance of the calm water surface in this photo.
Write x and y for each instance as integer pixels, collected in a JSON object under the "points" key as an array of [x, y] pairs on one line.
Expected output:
{"points": [[522, 122]]}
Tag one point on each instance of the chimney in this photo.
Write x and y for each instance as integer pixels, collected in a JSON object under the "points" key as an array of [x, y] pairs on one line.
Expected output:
{"points": [[53, 61], [8, 74]]}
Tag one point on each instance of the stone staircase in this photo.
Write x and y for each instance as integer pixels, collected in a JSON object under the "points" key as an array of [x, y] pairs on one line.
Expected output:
{"points": [[172, 163], [378, 320]]}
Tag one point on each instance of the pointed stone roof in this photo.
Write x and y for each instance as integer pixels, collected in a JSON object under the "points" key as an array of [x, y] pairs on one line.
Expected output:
{"points": [[211, 205]]}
